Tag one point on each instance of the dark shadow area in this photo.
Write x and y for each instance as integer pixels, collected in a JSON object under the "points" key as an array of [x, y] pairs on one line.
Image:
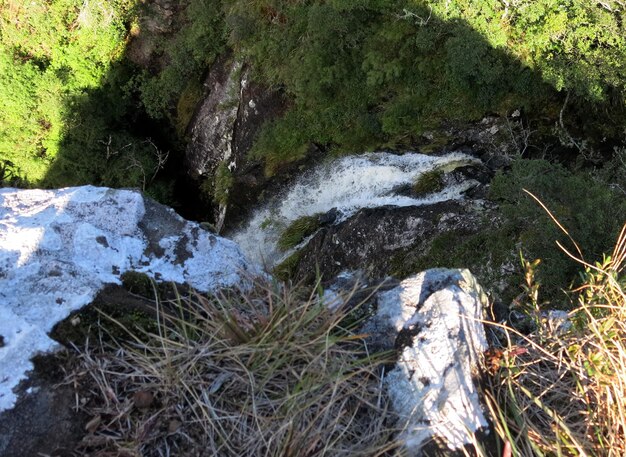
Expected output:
{"points": [[130, 131]]}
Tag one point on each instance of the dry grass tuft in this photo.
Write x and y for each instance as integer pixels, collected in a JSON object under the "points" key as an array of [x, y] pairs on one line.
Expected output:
{"points": [[562, 391], [261, 373]]}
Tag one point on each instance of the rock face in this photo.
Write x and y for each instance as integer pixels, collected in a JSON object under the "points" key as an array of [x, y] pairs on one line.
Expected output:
{"points": [[59, 248], [434, 322], [370, 239], [226, 123], [229, 117], [213, 127]]}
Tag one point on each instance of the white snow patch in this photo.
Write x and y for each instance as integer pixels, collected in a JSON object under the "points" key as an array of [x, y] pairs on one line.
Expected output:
{"points": [[431, 387], [59, 248]]}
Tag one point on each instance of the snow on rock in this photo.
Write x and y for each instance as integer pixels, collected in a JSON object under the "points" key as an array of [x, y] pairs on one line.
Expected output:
{"points": [[437, 316], [58, 248]]}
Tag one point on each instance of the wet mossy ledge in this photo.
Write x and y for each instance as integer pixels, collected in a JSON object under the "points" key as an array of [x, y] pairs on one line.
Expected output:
{"points": [[429, 182], [298, 230], [121, 312], [288, 267]]}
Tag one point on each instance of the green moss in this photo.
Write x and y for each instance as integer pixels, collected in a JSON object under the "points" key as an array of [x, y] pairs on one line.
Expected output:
{"points": [[485, 252], [223, 182], [104, 320], [216, 189], [429, 182], [138, 283], [436, 144], [297, 231], [287, 268], [187, 104]]}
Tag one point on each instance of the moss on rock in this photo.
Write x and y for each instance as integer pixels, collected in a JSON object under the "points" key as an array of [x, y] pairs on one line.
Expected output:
{"points": [[287, 268], [297, 231], [429, 182], [114, 314], [138, 283]]}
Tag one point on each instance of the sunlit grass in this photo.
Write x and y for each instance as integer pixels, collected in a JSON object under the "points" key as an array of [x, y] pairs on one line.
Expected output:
{"points": [[562, 389]]}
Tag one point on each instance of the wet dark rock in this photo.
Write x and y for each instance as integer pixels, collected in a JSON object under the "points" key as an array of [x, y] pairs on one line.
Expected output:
{"points": [[211, 129], [477, 172], [370, 239], [329, 217], [45, 421]]}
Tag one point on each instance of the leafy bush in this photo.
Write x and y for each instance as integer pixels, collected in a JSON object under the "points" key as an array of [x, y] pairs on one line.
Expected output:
{"points": [[50, 51]]}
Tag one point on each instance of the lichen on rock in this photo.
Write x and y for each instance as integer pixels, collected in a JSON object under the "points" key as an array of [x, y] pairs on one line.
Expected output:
{"points": [[59, 248], [434, 319]]}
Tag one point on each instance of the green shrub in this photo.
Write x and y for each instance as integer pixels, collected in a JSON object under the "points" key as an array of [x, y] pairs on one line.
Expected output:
{"points": [[592, 211], [50, 52]]}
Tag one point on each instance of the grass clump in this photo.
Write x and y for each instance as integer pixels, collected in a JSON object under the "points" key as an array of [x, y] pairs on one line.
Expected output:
{"points": [[297, 231], [286, 270], [429, 182], [560, 390], [265, 372]]}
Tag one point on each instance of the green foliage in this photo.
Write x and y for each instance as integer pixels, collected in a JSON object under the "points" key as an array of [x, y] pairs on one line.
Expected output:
{"points": [[74, 109], [360, 75], [50, 51], [363, 75], [589, 208], [188, 53], [297, 231], [429, 182], [10, 175]]}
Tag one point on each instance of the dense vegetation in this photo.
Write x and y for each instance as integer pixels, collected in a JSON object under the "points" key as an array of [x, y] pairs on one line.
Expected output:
{"points": [[101, 92], [75, 108], [361, 74]]}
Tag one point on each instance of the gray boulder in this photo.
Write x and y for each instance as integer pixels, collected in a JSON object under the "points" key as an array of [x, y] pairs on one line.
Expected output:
{"points": [[371, 239], [434, 322]]}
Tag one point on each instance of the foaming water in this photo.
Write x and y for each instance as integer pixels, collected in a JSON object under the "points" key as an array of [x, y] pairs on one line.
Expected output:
{"points": [[347, 184]]}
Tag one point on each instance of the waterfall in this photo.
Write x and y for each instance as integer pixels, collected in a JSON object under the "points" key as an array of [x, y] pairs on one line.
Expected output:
{"points": [[347, 184]]}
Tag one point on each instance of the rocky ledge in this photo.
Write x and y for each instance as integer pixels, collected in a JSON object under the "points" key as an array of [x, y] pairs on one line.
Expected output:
{"points": [[59, 248]]}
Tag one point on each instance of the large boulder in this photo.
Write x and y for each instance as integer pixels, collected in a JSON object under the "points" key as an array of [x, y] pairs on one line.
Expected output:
{"points": [[372, 239], [59, 248], [434, 321]]}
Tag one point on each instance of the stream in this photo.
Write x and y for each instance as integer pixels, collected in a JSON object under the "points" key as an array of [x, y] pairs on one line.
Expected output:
{"points": [[346, 184]]}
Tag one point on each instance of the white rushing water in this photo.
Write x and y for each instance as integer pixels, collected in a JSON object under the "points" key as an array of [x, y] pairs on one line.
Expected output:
{"points": [[347, 184]]}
